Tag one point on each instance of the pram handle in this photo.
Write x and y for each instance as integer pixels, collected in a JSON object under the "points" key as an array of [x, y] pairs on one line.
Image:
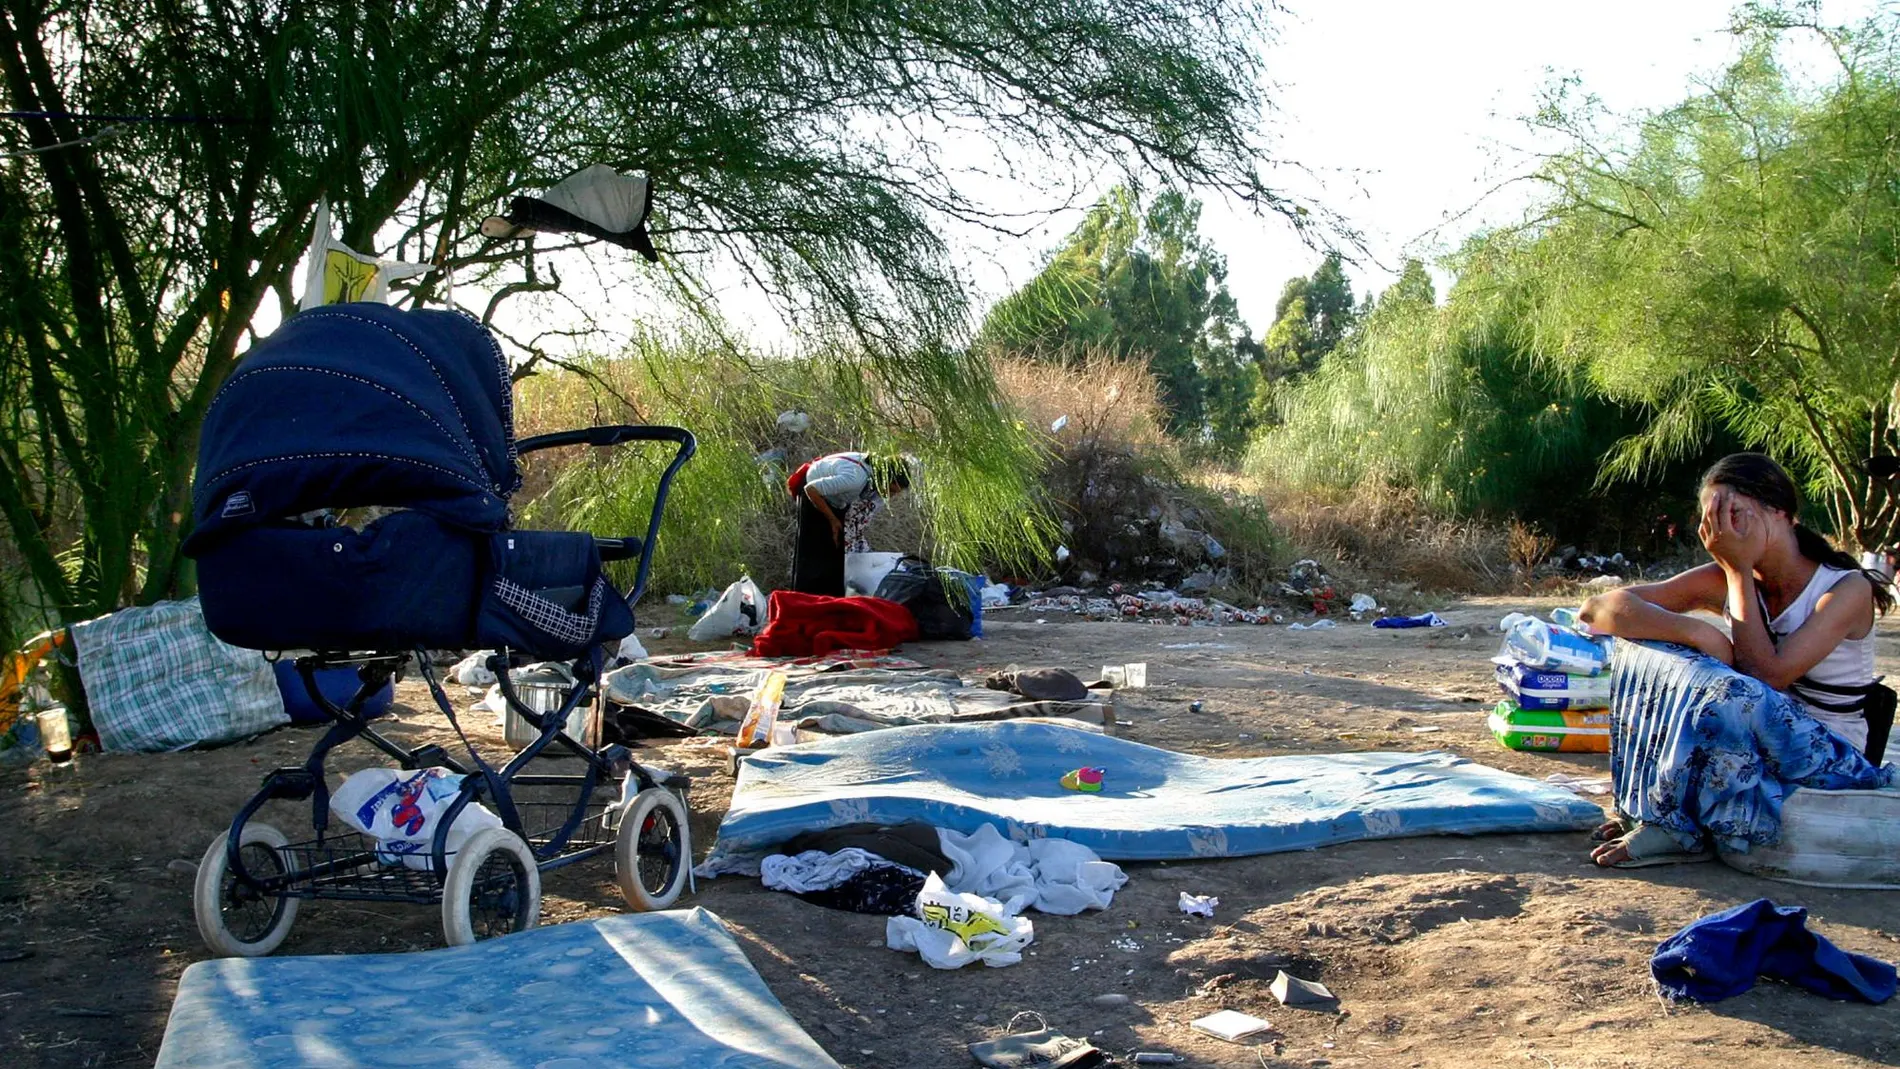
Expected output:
{"points": [[626, 548]]}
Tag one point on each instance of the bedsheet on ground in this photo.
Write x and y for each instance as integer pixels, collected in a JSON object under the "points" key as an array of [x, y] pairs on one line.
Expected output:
{"points": [[1156, 805], [656, 990], [833, 697]]}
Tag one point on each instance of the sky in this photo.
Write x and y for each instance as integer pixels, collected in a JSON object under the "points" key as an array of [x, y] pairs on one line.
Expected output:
{"points": [[1406, 120]]}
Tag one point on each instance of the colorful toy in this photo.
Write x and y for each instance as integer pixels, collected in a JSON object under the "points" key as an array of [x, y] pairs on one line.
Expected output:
{"points": [[1084, 779]]}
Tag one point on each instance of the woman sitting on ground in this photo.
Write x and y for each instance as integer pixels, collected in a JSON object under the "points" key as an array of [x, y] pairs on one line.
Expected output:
{"points": [[1801, 616]]}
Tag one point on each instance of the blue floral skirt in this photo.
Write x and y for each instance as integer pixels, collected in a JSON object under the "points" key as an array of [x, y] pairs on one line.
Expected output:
{"points": [[1709, 754]]}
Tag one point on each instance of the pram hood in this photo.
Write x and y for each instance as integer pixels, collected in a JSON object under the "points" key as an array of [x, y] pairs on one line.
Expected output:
{"points": [[352, 405]]}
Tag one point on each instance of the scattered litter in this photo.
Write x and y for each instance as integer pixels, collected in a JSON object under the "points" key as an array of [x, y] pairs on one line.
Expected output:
{"points": [[677, 599], [1362, 604], [1579, 784], [995, 595], [1056, 427], [1045, 1048], [1230, 1025], [952, 930], [1427, 729], [1153, 606], [1133, 675], [1198, 905], [1127, 944], [1400, 623], [1062, 554], [1110, 1001], [1158, 1057], [1197, 646], [1196, 706], [794, 422], [1317, 625], [1293, 991]]}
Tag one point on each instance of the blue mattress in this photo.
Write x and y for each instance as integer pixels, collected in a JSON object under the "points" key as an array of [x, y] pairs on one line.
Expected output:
{"points": [[654, 990], [1156, 805]]}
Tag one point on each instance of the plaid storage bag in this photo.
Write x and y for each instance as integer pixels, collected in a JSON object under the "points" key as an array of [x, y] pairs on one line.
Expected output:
{"points": [[157, 680]]}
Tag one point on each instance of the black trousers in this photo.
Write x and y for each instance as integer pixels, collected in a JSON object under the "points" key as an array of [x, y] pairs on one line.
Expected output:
{"points": [[817, 560]]}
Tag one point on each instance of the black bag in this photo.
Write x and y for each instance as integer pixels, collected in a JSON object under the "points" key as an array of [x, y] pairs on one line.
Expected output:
{"points": [[915, 585], [1881, 701]]}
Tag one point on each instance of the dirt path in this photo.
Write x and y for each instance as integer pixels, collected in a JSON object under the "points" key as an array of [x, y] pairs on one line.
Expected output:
{"points": [[1488, 952]]}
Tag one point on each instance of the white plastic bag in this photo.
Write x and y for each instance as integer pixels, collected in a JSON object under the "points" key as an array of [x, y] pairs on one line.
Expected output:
{"points": [[630, 650], [472, 670], [953, 930], [400, 809], [863, 572], [739, 611]]}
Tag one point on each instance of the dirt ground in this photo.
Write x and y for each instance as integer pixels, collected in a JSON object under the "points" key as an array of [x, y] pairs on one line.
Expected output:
{"points": [[1491, 951]]}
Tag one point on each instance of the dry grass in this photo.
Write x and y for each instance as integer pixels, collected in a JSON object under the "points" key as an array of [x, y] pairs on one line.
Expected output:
{"points": [[1387, 537], [1111, 405]]}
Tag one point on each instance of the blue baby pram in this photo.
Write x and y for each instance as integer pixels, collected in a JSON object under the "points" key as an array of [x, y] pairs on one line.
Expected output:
{"points": [[362, 406]]}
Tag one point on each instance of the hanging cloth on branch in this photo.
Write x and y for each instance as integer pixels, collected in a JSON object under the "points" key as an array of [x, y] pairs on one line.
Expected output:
{"points": [[597, 201], [338, 274]]}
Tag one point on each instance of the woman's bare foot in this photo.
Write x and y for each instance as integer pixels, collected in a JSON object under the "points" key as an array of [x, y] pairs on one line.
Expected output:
{"points": [[1611, 852], [1608, 830]]}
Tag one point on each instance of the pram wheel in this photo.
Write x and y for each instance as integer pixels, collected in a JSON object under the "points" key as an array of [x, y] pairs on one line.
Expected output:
{"points": [[236, 920], [651, 850], [493, 888]]}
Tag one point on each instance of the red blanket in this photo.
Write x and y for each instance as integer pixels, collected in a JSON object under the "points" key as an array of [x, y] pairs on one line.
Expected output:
{"points": [[805, 625]]}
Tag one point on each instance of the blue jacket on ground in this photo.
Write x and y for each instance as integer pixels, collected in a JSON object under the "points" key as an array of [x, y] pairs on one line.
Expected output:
{"points": [[1723, 953]]}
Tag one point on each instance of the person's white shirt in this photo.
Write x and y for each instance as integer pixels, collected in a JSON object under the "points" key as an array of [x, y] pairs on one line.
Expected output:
{"points": [[840, 478]]}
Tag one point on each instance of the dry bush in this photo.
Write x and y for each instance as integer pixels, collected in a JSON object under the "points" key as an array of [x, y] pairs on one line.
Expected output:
{"points": [[1528, 548], [1112, 404], [1110, 474], [1383, 536]]}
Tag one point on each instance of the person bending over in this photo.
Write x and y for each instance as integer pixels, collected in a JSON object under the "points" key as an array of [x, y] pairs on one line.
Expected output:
{"points": [[837, 496], [1801, 620]]}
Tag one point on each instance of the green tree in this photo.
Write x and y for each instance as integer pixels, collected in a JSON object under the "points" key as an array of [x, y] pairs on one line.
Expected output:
{"points": [[1310, 319], [1729, 265], [162, 186], [1144, 283], [1447, 401]]}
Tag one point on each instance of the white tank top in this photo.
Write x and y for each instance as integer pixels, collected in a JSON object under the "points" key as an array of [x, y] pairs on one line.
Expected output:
{"points": [[1850, 664]]}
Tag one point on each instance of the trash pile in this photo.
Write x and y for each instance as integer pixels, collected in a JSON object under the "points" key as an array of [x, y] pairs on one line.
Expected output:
{"points": [[1151, 606], [1307, 589], [1556, 690]]}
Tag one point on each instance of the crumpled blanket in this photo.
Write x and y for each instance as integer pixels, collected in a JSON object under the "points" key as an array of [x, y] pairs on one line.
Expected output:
{"points": [[838, 700], [1697, 748], [1723, 953], [807, 624], [1051, 875]]}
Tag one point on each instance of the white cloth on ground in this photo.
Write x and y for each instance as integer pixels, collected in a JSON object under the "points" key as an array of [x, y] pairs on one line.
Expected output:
{"points": [[815, 870], [1052, 875]]}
